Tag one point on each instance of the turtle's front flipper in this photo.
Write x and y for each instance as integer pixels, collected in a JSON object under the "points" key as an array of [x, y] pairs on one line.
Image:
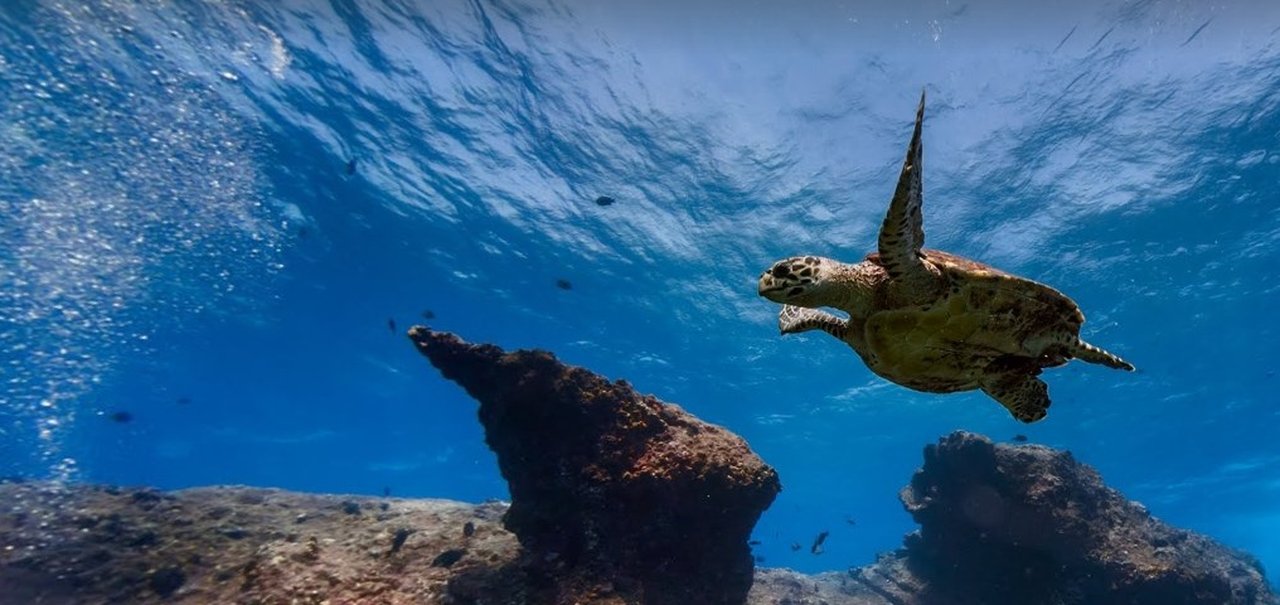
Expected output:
{"points": [[793, 319], [1024, 395], [902, 233]]}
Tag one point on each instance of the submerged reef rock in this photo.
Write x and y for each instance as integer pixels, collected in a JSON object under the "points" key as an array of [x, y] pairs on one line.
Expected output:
{"points": [[616, 496], [617, 499], [1030, 524], [82, 544], [1000, 524]]}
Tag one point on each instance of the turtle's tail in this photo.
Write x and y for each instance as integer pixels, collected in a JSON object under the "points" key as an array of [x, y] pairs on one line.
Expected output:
{"points": [[1086, 352]]}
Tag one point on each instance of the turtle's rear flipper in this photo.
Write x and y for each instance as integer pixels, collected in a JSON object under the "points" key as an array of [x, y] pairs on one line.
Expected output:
{"points": [[793, 319], [1087, 352], [1024, 395]]}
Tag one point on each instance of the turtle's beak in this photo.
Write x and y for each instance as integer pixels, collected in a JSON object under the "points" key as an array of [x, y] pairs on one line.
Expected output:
{"points": [[769, 285], [774, 280]]}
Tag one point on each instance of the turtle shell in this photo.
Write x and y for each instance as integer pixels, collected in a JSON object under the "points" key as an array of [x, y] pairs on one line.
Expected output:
{"points": [[983, 321]]}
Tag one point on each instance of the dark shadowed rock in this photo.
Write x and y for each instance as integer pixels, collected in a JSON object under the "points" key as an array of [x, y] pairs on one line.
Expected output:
{"points": [[1029, 524], [167, 580], [615, 495]]}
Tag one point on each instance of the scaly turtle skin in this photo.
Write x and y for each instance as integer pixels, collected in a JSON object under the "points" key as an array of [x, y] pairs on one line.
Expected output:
{"points": [[933, 321]]}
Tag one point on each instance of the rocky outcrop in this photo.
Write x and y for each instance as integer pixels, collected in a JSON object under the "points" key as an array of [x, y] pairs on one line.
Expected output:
{"points": [[87, 544], [1029, 524], [618, 498], [73, 544], [615, 495], [83, 544]]}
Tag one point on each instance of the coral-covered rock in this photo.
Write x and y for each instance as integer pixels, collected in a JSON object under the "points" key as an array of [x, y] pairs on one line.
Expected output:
{"points": [[615, 495], [78, 544], [84, 544], [1029, 524], [71, 544]]}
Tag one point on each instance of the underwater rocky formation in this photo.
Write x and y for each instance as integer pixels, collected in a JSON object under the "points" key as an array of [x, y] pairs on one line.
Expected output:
{"points": [[617, 499], [1031, 521], [82, 544], [74, 544], [614, 494]]}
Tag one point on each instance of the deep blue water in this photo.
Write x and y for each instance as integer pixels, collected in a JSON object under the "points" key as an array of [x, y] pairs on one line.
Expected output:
{"points": [[180, 238]]}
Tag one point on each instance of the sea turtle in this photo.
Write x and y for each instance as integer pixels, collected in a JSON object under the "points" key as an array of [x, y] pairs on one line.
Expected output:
{"points": [[933, 321]]}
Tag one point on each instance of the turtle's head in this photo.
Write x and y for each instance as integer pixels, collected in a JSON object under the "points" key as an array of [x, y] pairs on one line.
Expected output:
{"points": [[804, 281]]}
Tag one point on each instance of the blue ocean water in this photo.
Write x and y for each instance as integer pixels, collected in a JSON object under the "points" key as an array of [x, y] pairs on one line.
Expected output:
{"points": [[214, 212]]}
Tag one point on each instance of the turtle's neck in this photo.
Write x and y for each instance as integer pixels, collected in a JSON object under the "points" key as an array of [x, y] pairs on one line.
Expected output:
{"points": [[859, 282]]}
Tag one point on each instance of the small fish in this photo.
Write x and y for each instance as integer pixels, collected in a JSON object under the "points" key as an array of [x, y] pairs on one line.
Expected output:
{"points": [[391, 325], [184, 400], [850, 520], [121, 417], [386, 491], [754, 543], [604, 200], [564, 284], [428, 314], [448, 557], [469, 529], [1020, 438], [759, 559], [1065, 38], [817, 542], [398, 539], [795, 546], [303, 232], [351, 167], [1197, 32]]}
